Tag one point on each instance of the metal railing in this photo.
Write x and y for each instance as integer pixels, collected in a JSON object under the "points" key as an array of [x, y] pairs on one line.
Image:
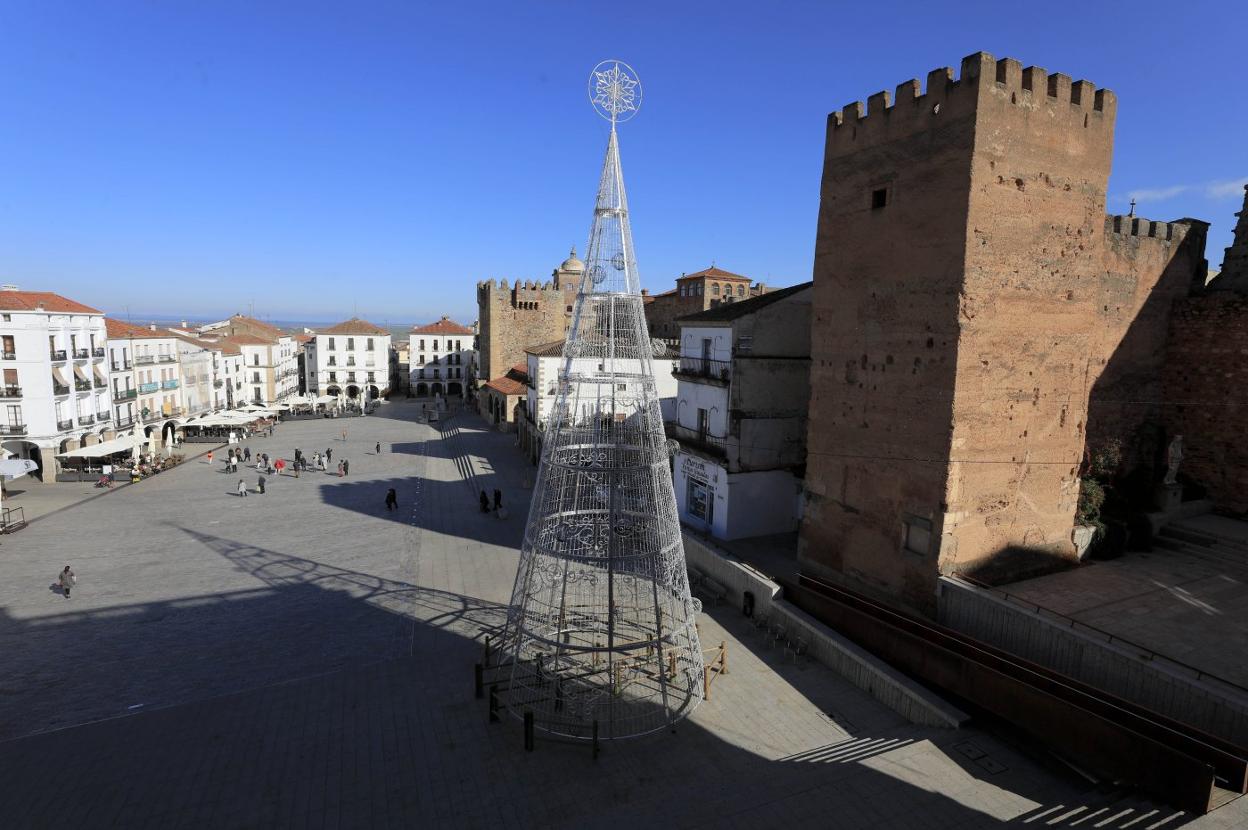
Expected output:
{"points": [[145, 388], [59, 388], [58, 354], [700, 439], [98, 351], [701, 367], [86, 419], [10, 391], [168, 358], [8, 355], [144, 359], [100, 383], [82, 385], [104, 416], [119, 367], [64, 425], [82, 354], [12, 429], [169, 384], [217, 384], [125, 394], [125, 421]]}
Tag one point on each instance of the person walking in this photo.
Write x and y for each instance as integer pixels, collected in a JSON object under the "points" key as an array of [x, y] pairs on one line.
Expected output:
{"points": [[339, 469], [247, 454], [297, 465], [279, 465], [66, 581], [344, 436], [260, 484], [485, 502], [329, 455], [346, 466], [377, 451], [209, 458], [242, 488], [498, 498], [392, 499]]}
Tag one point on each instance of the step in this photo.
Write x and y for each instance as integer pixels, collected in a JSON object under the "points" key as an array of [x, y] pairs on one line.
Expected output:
{"points": [[1212, 555], [1227, 539]]}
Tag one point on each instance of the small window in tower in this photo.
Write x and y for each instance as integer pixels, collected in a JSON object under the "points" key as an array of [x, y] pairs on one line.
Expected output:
{"points": [[879, 198], [917, 534]]}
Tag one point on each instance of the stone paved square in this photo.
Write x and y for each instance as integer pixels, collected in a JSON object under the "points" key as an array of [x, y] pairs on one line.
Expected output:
{"points": [[304, 659]]}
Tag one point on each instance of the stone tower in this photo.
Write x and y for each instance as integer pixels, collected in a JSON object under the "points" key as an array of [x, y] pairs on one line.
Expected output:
{"points": [[523, 315], [1234, 274], [963, 311]]}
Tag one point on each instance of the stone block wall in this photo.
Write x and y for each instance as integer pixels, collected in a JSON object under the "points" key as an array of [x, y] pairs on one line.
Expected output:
{"points": [[1206, 393]]}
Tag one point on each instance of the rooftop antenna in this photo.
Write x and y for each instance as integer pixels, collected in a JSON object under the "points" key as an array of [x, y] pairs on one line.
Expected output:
{"points": [[600, 640]]}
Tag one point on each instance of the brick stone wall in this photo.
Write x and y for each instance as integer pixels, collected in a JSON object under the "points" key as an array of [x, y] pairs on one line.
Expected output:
{"points": [[1206, 387], [967, 302]]}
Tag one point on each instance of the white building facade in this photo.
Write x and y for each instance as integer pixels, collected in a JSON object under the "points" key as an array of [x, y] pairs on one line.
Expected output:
{"points": [[348, 360], [740, 415], [441, 359], [54, 395]]}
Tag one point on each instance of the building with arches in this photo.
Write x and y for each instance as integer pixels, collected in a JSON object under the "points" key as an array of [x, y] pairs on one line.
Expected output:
{"points": [[55, 393], [348, 360], [440, 359]]}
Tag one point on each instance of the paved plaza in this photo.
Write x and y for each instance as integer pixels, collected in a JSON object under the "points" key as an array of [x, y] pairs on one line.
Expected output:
{"points": [[304, 658]]}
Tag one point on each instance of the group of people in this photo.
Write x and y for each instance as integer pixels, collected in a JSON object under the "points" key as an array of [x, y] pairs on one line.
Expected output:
{"points": [[300, 463], [485, 501]]}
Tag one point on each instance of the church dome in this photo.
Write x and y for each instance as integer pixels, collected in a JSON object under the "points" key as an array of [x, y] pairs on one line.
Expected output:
{"points": [[572, 263]]}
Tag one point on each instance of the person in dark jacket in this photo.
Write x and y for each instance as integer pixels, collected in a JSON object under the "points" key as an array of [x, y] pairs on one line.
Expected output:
{"points": [[261, 484], [498, 498], [346, 467], [485, 502], [378, 449], [392, 499]]}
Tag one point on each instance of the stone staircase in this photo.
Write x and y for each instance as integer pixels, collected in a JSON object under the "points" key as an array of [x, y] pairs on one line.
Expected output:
{"points": [[1199, 540]]}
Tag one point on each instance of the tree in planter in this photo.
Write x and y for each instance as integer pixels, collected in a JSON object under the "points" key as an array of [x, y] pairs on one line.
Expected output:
{"points": [[1095, 487]]}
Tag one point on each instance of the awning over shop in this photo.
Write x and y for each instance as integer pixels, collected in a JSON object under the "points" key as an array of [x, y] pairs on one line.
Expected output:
{"points": [[122, 443], [81, 374]]}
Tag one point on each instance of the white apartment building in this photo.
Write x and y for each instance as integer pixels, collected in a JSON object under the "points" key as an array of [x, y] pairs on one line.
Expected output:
{"points": [[269, 356], [740, 416], [347, 359], [440, 359], [54, 395], [145, 379]]}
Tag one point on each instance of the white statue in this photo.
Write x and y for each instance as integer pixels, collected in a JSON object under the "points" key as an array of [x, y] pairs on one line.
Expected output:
{"points": [[1174, 455]]}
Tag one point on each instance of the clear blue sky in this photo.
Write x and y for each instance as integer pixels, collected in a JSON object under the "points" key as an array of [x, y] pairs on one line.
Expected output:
{"points": [[192, 157]]}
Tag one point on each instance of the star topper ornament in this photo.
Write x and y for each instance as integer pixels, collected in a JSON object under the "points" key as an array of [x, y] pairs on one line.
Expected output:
{"points": [[615, 91]]}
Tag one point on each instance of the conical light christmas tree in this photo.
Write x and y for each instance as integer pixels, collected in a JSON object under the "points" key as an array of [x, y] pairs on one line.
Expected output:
{"points": [[601, 636]]}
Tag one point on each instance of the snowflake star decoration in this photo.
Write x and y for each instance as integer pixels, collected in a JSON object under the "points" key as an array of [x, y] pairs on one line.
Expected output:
{"points": [[615, 92]]}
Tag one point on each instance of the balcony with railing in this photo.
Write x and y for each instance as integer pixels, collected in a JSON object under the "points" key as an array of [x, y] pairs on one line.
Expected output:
{"points": [[58, 355], [12, 429], [8, 355], [702, 368], [100, 383], [124, 421], [59, 388], [217, 384], [86, 419], [169, 384], [98, 351], [122, 366], [144, 359], [104, 416], [81, 385], [64, 425], [168, 358], [10, 391], [148, 388], [697, 439], [82, 354], [125, 394]]}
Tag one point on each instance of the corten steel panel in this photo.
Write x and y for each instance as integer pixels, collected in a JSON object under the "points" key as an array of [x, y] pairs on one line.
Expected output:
{"points": [[1109, 736]]}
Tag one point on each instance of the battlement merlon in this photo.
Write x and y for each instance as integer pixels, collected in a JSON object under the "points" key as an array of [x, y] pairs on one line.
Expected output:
{"points": [[1117, 225], [915, 108]]}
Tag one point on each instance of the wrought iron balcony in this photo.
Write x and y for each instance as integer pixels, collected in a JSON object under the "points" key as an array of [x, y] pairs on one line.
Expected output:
{"points": [[8, 355], [86, 419], [146, 388], [704, 368], [82, 385], [144, 359], [10, 391], [82, 354], [697, 439], [124, 421], [64, 425], [125, 394], [169, 384], [104, 416], [59, 388], [100, 383], [121, 367], [12, 429], [168, 358], [98, 351], [58, 355]]}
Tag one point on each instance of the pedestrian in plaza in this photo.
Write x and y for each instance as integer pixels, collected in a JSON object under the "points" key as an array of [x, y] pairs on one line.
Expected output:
{"points": [[498, 498], [485, 502], [378, 449], [260, 484], [209, 458], [279, 465], [242, 488], [346, 466], [247, 454], [392, 499], [297, 465], [329, 456], [344, 435], [339, 469], [259, 462], [66, 580]]}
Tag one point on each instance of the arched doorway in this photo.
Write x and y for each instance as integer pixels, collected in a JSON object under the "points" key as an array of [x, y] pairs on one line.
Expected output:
{"points": [[333, 391], [422, 389], [436, 389], [373, 393], [353, 392], [89, 439], [455, 388], [166, 433], [27, 449]]}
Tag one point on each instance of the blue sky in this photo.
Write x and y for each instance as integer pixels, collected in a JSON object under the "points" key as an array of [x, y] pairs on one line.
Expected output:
{"points": [[313, 158]]}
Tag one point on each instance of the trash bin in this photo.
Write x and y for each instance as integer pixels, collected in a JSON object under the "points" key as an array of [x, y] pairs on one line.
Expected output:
{"points": [[747, 603]]}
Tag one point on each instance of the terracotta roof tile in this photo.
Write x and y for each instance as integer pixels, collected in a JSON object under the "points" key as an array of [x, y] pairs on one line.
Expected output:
{"points": [[47, 300], [714, 273], [121, 330], [507, 386], [551, 349], [444, 326], [354, 326]]}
